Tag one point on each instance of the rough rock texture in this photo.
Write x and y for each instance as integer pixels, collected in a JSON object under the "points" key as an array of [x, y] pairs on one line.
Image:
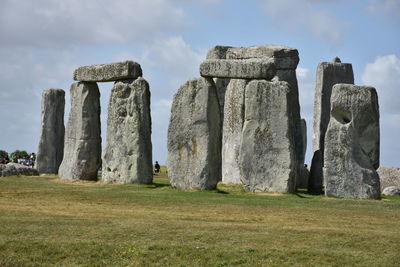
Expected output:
{"points": [[194, 136], [267, 152], [391, 191], [389, 176], [283, 57], [238, 69], [352, 143], [232, 130], [108, 72], [51, 144], [82, 146], [16, 169], [302, 178], [128, 155], [328, 74]]}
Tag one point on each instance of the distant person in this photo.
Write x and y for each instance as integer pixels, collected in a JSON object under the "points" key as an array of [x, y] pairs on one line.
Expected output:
{"points": [[32, 159], [157, 167]]}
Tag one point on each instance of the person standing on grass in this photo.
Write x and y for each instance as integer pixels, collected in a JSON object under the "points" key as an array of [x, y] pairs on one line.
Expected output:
{"points": [[157, 167]]}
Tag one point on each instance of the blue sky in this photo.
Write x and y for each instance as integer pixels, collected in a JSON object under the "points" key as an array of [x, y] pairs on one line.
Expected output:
{"points": [[43, 41]]}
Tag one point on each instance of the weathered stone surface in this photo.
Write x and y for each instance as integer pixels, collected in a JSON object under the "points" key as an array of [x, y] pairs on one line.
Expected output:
{"points": [[391, 191], [128, 155], [232, 130], [389, 176], [108, 72], [51, 144], [352, 143], [302, 178], [267, 153], [238, 68], [328, 74], [82, 145], [194, 136], [283, 57], [16, 169]]}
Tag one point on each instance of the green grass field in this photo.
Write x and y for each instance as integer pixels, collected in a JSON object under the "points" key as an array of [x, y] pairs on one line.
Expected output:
{"points": [[45, 222]]}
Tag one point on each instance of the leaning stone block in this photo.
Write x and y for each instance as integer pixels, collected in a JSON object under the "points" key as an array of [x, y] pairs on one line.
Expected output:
{"points": [[267, 153], [82, 146], [194, 136], [238, 69], [232, 130], [51, 144], [126, 70], [284, 57], [352, 143], [128, 155], [389, 176], [328, 74]]}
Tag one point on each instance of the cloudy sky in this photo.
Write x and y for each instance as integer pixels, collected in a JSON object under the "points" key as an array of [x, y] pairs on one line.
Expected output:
{"points": [[43, 41]]}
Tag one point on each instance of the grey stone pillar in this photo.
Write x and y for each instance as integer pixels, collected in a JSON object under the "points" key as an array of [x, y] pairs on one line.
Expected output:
{"points": [[351, 154], [82, 146], [328, 74], [51, 144], [128, 155], [194, 136], [268, 153]]}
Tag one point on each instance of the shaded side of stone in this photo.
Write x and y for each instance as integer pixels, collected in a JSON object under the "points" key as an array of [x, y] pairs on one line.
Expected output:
{"points": [[221, 84], [128, 155], [328, 74], [267, 153], [116, 71], [51, 145], [194, 136], [238, 69], [351, 154], [232, 130], [82, 145]]}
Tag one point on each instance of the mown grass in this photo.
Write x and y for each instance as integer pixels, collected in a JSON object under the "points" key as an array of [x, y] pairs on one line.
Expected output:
{"points": [[45, 221]]}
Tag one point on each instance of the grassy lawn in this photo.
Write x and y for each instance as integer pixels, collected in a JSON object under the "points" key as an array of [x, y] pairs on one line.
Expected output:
{"points": [[45, 221]]}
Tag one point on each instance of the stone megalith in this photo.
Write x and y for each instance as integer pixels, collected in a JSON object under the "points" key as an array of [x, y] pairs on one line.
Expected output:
{"points": [[232, 130], [351, 154], [126, 70], [194, 136], [328, 74], [128, 155], [51, 144], [267, 152], [389, 176], [82, 145], [222, 85]]}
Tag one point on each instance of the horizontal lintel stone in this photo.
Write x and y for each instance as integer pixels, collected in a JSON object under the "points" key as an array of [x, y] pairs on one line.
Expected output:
{"points": [[116, 71]]}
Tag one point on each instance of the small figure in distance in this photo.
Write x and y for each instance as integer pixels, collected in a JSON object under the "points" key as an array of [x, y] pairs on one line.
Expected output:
{"points": [[156, 167]]}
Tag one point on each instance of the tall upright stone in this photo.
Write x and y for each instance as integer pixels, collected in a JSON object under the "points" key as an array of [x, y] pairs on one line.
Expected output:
{"points": [[128, 155], [51, 144], [221, 85], [351, 154], [232, 130], [267, 153], [328, 74], [82, 145], [194, 136]]}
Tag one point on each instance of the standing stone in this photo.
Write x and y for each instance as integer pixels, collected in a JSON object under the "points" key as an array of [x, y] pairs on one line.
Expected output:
{"points": [[128, 155], [51, 144], [328, 74], [267, 153], [303, 172], [194, 136], [82, 146], [232, 130], [352, 143]]}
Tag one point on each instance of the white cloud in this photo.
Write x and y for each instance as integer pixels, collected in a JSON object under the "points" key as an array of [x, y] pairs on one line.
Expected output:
{"points": [[59, 23], [384, 75], [294, 15], [385, 8]]}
